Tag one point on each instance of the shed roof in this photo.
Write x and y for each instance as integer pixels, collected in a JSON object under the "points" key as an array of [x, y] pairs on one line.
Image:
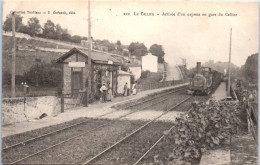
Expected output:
{"points": [[96, 56], [120, 72]]}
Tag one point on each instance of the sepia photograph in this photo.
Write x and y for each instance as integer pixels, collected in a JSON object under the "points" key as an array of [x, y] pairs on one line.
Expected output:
{"points": [[128, 82]]}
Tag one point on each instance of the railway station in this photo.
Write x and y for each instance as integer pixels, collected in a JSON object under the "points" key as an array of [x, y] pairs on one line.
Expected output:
{"points": [[93, 85], [141, 107]]}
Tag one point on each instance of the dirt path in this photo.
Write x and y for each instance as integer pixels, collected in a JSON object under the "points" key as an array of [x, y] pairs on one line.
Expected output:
{"points": [[243, 150]]}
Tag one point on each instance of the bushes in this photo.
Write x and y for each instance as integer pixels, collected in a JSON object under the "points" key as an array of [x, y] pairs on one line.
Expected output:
{"points": [[203, 127], [7, 79], [45, 75], [145, 74]]}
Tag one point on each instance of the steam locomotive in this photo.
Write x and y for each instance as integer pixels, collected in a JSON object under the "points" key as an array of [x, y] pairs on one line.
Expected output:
{"points": [[204, 81]]}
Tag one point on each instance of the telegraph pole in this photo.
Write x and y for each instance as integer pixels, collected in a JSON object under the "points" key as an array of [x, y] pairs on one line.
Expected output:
{"points": [[89, 51], [229, 68], [13, 56]]}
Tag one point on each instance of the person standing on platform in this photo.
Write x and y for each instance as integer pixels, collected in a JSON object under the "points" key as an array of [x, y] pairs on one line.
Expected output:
{"points": [[109, 92], [125, 89], [103, 91], [134, 89]]}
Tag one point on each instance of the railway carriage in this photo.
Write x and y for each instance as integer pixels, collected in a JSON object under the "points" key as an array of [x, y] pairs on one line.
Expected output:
{"points": [[204, 81]]}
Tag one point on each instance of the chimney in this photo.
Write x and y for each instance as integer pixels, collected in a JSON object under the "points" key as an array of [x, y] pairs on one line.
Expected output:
{"points": [[198, 67]]}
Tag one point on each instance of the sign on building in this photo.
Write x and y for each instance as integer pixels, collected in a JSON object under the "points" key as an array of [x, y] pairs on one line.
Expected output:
{"points": [[76, 64]]}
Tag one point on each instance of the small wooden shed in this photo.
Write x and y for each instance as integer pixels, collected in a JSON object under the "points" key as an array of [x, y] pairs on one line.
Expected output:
{"points": [[75, 71]]}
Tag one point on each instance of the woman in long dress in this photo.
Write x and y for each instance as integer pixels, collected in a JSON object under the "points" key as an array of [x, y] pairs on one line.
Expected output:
{"points": [[134, 89], [109, 93]]}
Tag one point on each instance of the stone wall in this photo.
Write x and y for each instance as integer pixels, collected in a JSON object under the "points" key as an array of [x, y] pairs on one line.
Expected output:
{"points": [[13, 109]]}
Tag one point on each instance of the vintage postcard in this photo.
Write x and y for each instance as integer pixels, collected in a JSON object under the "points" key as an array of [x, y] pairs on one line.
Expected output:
{"points": [[129, 82]]}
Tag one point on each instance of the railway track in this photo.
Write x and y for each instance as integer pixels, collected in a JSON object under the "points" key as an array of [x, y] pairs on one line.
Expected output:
{"points": [[157, 96], [83, 122], [21, 144], [132, 133]]}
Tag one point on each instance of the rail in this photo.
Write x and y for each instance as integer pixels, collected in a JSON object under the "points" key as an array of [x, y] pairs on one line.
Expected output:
{"points": [[144, 87]]}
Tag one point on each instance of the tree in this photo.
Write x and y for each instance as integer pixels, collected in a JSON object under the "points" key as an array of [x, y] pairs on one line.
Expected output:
{"points": [[34, 26], [58, 31], [157, 50], [118, 43], [76, 39], [250, 69], [49, 30], [65, 36], [119, 46], [137, 49], [139, 52], [45, 75], [109, 45], [8, 23]]}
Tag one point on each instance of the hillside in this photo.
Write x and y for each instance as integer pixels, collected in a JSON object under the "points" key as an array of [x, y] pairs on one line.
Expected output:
{"points": [[32, 49], [27, 53]]}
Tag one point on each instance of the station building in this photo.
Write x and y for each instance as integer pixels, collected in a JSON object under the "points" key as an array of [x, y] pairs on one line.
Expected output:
{"points": [[75, 71]]}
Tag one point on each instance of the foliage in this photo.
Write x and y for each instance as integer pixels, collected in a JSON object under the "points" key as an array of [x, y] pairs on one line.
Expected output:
{"points": [[137, 49], [145, 74], [108, 44], [250, 69], [65, 36], [157, 50], [6, 79], [203, 127], [8, 23], [118, 43], [49, 30], [34, 27], [76, 39], [44, 75], [139, 52], [59, 31]]}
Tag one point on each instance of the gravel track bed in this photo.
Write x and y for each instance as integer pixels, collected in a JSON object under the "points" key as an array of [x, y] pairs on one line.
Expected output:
{"points": [[169, 102], [84, 147], [162, 103], [13, 139], [135, 146], [163, 100], [154, 95], [21, 151]]}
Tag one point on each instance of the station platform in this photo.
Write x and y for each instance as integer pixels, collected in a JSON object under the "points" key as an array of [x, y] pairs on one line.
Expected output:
{"points": [[92, 111], [220, 92]]}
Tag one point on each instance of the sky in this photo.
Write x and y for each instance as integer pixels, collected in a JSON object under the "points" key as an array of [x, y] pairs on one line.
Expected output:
{"points": [[185, 35]]}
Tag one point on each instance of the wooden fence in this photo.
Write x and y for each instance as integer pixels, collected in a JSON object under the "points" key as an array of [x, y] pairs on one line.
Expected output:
{"points": [[144, 87], [252, 119]]}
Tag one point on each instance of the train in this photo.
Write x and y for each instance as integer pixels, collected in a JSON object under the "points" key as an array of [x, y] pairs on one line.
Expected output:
{"points": [[204, 81]]}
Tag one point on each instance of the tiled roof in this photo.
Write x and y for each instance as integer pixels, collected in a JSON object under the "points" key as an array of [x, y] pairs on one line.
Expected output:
{"points": [[96, 56]]}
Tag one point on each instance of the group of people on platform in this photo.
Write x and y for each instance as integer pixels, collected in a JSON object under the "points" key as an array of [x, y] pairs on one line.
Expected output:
{"points": [[106, 92], [126, 92]]}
